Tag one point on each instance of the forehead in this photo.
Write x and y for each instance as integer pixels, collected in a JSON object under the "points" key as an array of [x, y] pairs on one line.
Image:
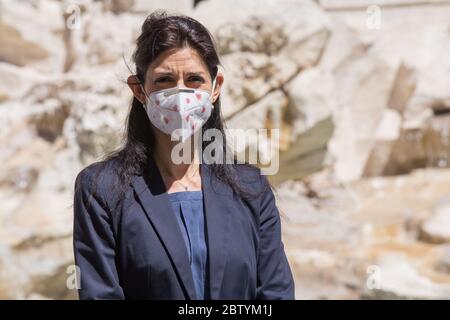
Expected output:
{"points": [[180, 59]]}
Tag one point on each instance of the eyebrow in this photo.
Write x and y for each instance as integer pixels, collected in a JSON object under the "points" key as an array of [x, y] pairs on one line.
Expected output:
{"points": [[198, 73], [163, 73]]}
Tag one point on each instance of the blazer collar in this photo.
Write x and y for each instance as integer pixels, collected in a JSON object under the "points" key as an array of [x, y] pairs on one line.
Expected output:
{"points": [[152, 194]]}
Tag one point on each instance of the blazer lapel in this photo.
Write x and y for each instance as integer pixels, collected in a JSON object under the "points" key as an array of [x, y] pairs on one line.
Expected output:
{"points": [[152, 193], [217, 197]]}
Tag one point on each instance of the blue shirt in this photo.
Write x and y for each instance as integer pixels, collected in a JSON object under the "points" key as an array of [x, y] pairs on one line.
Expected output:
{"points": [[188, 206]]}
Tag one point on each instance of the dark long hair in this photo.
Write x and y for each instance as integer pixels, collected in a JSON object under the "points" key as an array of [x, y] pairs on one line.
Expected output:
{"points": [[161, 32]]}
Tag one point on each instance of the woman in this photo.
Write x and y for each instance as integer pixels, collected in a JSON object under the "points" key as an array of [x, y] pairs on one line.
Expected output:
{"points": [[149, 227]]}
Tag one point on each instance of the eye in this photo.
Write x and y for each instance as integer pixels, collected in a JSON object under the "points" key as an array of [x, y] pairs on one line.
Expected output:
{"points": [[196, 79], [163, 79]]}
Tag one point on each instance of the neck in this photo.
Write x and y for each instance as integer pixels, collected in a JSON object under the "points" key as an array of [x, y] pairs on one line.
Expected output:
{"points": [[163, 156]]}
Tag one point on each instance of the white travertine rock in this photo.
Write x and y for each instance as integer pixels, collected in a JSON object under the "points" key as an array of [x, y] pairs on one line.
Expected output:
{"points": [[366, 3], [250, 77], [436, 229], [353, 105], [309, 92], [389, 127], [399, 279], [16, 81], [40, 24], [362, 90], [172, 6], [263, 45]]}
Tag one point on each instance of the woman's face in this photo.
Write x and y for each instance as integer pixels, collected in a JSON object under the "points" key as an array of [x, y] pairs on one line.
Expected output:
{"points": [[182, 67]]}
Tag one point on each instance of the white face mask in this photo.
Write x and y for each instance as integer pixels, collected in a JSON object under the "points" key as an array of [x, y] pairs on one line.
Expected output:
{"points": [[179, 111]]}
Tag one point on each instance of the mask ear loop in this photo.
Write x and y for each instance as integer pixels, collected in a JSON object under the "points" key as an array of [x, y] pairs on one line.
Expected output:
{"points": [[145, 93], [213, 87]]}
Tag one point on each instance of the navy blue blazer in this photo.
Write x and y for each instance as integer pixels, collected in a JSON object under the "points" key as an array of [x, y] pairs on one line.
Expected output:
{"points": [[129, 245]]}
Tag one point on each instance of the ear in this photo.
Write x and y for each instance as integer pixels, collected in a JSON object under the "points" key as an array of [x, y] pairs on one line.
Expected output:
{"points": [[134, 84], [217, 89]]}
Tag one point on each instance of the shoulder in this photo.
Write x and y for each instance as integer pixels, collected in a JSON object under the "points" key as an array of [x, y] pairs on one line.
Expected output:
{"points": [[252, 176], [248, 174], [252, 179], [260, 196], [97, 178], [99, 171]]}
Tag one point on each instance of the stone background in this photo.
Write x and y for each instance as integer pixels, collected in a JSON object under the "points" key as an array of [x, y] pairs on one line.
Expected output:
{"points": [[360, 93]]}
